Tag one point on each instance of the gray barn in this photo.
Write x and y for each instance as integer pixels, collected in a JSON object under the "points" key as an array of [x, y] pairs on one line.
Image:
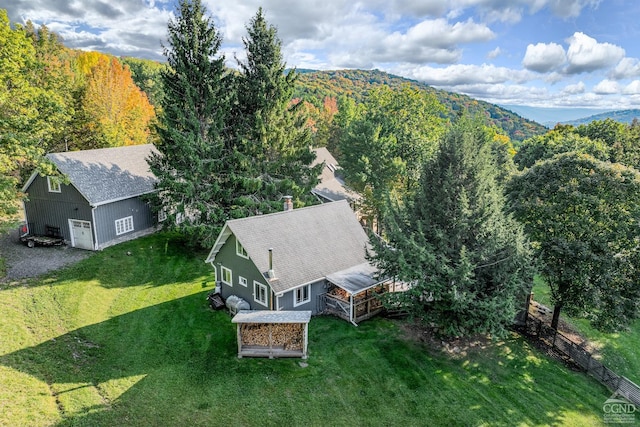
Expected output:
{"points": [[101, 205]]}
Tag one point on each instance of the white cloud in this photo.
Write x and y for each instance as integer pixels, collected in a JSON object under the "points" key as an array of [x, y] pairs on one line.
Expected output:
{"points": [[574, 89], [585, 54], [571, 8], [606, 87], [626, 68], [460, 74], [632, 88], [494, 53], [543, 57]]}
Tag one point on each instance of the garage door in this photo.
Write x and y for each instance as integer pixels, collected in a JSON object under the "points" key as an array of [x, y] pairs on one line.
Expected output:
{"points": [[81, 234]]}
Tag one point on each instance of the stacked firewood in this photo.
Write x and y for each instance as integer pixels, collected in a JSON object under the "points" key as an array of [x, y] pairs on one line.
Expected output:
{"points": [[340, 293], [290, 336]]}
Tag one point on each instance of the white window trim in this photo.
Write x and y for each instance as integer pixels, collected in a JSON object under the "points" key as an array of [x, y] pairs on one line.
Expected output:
{"points": [[124, 225], [224, 269], [162, 215], [54, 184], [257, 285], [295, 295], [240, 250], [242, 281]]}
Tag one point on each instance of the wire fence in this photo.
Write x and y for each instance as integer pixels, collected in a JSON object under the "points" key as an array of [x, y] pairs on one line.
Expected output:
{"points": [[577, 354]]}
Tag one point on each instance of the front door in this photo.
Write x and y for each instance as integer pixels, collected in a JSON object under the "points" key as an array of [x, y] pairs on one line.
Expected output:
{"points": [[81, 236]]}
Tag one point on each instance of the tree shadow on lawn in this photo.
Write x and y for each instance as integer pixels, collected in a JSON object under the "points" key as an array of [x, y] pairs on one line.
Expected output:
{"points": [[154, 260], [175, 364]]}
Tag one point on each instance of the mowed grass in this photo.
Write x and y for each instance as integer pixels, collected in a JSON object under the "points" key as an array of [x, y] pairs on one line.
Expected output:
{"points": [[128, 340], [619, 351]]}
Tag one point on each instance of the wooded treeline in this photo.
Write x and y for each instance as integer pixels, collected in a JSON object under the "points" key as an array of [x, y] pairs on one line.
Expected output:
{"points": [[57, 99]]}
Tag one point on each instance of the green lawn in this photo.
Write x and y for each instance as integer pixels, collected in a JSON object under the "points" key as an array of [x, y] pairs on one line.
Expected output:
{"points": [[120, 340], [618, 351]]}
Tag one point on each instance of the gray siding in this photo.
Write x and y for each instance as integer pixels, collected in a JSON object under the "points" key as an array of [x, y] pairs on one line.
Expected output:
{"points": [[243, 267], [44, 208], [287, 300], [106, 216]]}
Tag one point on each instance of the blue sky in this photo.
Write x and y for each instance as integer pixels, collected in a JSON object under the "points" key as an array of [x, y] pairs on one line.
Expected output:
{"points": [[537, 53]]}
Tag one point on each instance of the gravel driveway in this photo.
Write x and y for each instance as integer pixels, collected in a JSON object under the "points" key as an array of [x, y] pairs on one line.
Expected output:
{"points": [[23, 262]]}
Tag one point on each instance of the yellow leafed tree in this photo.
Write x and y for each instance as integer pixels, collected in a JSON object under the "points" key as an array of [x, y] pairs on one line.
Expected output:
{"points": [[120, 113]]}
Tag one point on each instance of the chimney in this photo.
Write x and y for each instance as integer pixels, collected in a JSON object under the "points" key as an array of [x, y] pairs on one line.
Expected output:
{"points": [[288, 203], [271, 273]]}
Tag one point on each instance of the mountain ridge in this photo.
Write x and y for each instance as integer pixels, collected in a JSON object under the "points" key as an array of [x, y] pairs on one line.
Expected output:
{"points": [[314, 85]]}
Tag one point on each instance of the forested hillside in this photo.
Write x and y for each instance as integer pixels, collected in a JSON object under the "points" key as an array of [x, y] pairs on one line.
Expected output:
{"points": [[315, 86], [622, 116]]}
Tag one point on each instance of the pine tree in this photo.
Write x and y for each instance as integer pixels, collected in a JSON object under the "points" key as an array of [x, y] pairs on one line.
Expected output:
{"points": [[271, 131], [193, 166], [467, 259]]}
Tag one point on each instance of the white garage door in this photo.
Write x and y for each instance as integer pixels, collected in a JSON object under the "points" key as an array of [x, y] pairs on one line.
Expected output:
{"points": [[81, 236]]}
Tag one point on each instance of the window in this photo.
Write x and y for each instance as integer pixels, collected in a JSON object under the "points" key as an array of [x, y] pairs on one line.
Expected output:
{"points": [[226, 275], [301, 295], [260, 293], [54, 184], [240, 250], [242, 281], [124, 225], [162, 215]]}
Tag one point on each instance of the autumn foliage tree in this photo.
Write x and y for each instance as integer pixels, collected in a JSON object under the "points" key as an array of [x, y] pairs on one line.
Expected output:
{"points": [[119, 111]]}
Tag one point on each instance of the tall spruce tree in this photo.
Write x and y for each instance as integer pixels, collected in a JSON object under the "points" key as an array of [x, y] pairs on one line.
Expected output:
{"points": [[271, 131], [468, 261], [193, 168]]}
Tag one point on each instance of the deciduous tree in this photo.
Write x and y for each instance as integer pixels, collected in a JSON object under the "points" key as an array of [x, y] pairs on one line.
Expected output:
{"points": [[582, 216], [23, 127], [383, 148], [119, 112]]}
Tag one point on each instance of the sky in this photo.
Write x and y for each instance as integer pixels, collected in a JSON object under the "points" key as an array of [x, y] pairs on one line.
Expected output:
{"points": [[534, 53]]}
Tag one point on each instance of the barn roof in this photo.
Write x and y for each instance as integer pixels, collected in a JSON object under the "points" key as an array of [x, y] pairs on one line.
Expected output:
{"points": [[308, 243], [107, 175]]}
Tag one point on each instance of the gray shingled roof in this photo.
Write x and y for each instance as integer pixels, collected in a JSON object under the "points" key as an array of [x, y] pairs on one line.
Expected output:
{"points": [[108, 174], [331, 186], [308, 243]]}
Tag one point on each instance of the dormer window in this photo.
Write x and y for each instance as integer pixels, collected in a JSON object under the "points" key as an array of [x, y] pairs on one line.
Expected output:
{"points": [[54, 184], [240, 251]]}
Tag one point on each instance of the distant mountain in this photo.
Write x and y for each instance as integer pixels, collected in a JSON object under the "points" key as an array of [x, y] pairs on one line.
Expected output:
{"points": [[550, 116], [622, 116], [313, 86]]}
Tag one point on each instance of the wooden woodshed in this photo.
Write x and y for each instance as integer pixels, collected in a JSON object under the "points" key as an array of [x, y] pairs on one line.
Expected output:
{"points": [[266, 333]]}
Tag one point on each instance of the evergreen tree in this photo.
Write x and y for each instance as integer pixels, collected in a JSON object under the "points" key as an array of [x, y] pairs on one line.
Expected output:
{"points": [[193, 167], [467, 260], [271, 131]]}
